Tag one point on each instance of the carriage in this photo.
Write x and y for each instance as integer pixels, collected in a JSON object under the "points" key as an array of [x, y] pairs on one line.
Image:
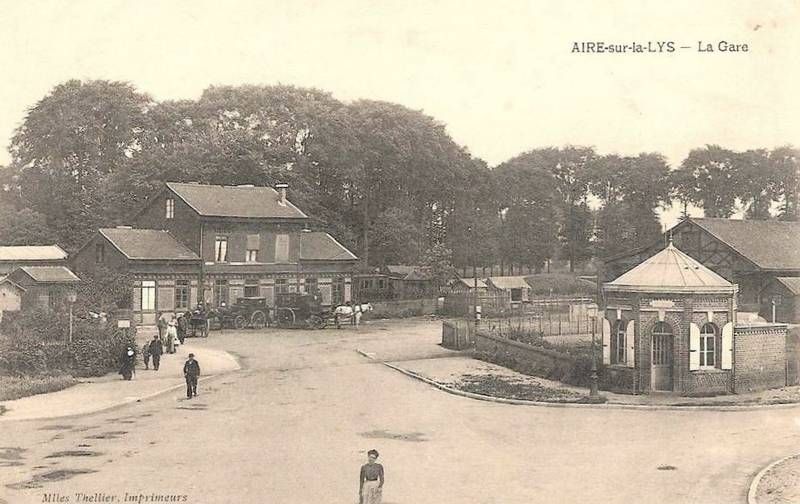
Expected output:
{"points": [[252, 312], [200, 321], [295, 310]]}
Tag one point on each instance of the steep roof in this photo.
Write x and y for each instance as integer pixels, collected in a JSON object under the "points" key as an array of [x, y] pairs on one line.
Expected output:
{"points": [[791, 283], [509, 282], [670, 270], [470, 282], [151, 244], [6, 280], [235, 201], [32, 253], [47, 274], [319, 246], [769, 244]]}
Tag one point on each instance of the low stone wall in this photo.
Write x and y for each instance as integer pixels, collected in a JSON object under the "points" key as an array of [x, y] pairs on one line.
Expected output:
{"points": [[708, 382], [759, 357], [404, 308], [617, 379], [532, 360]]}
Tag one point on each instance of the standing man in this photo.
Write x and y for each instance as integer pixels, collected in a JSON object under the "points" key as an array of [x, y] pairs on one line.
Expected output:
{"points": [[191, 370], [161, 323], [156, 349], [146, 354]]}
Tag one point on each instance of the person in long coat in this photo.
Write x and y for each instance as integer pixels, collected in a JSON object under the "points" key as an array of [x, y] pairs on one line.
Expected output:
{"points": [[191, 371], [127, 363], [156, 349], [370, 481]]}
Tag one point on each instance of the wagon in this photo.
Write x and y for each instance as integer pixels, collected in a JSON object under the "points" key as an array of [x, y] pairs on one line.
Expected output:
{"points": [[294, 310], [246, 312], [199, 322]]}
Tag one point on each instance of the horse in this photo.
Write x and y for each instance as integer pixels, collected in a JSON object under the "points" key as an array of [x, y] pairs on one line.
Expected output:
{"points": [[351, 312]]}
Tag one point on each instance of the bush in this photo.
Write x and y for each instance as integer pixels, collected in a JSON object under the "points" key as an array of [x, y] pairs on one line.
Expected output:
{"points": [[16, 387], [36, 344]]}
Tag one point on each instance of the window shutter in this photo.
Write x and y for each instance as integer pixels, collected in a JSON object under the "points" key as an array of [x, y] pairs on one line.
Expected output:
{"points": [[694, 347], [727, 346], [629, 344], [606, 342], [282, 248]]}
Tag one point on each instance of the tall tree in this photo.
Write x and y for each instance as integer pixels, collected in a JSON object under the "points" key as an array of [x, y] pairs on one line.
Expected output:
{"points": [[71, 143], [756, 181], [712, 171], [786, 163]]}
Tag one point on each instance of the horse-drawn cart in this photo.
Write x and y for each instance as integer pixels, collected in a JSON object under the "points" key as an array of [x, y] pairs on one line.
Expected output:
{"points": [[200, 322], [294, 310], [246, 312]]}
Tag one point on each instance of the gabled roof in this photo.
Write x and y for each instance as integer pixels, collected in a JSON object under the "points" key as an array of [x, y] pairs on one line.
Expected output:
{"points": [[470, 282], [6, 280], [509, 282], [792, 284], [319, 246], [769, 244], [47, 274], [407, 272], [670, 270], [235, 201], [32, 253], [147, 244]]}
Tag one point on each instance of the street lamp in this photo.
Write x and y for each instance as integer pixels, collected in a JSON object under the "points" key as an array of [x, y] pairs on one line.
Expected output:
{"points": [[593, 393], [72, 296]]}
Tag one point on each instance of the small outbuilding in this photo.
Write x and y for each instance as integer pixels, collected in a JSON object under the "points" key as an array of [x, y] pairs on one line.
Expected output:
{"points": [[10, 296], [468, 285], [516, 286], [781, 300], [46, 287], [669, 325]]}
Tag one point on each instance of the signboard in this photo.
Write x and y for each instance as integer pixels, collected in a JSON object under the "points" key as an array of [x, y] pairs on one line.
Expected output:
{"points": [[123, 324], [662, 304]]}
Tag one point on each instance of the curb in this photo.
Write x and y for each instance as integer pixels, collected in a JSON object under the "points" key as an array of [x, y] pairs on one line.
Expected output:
{"points": [[523, 402], [124, 403], [751, 493]]}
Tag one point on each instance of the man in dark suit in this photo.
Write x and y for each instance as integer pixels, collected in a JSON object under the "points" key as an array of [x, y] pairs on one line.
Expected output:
{"points": [[191, 370], [156, 349]]}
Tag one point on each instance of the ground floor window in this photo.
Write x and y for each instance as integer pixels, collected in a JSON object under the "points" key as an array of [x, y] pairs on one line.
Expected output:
{"points": [[281, 286], [221, 292], [337, 291], [618, 343], [182, 295], [311, 285], [148, 295], [251, 287], [516, 295], [708, 347]]}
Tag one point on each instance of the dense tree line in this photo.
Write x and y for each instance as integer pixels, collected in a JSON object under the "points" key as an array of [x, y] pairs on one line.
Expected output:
{"points": [[388, 181]]}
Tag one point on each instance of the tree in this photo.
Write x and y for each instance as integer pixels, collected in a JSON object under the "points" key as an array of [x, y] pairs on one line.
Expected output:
{"points": [[396, 238], [71, 143], [756, 181], [712, 173], [437, 261], [786, 163], [24, 227]]}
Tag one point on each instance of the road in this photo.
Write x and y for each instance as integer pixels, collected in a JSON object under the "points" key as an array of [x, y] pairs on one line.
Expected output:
{"points": [[294, 426]]}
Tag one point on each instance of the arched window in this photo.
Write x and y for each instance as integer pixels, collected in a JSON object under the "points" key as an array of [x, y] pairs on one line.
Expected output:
{"points": [[662, 343], [708, 347], [618, 343]]}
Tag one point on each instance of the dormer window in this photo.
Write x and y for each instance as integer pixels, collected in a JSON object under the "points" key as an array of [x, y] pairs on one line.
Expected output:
{"points": [[170, 208]]}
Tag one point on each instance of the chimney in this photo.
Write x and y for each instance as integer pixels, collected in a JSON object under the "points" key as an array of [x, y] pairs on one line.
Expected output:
{"points": [[281, 188]]}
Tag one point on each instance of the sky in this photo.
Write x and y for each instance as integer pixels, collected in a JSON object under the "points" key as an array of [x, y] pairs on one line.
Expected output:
{"points": [[501, 75]]}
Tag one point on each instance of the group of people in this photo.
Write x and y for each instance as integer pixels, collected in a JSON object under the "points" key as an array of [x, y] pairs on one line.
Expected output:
{"points": [[170, 335]]}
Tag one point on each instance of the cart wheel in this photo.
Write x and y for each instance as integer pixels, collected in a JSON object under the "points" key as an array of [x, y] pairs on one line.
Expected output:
{"points": [[315, 322], [239, 322], [258, 320]]}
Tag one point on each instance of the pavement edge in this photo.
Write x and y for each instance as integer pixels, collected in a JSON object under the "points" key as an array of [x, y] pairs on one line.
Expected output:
{"points": [[654, 407], [753, 490]]}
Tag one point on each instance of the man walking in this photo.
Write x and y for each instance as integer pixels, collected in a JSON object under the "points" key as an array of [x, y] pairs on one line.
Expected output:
{"points": [[161, 324], [156, 349], [191, 370], [146, 354]]}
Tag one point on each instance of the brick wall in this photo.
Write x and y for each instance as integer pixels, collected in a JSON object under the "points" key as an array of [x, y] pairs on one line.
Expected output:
{"points": [[759, 357]]}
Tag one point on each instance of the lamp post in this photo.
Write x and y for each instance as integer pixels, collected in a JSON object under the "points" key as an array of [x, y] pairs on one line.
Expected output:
{"points": [[71, 298], [593, 393]]}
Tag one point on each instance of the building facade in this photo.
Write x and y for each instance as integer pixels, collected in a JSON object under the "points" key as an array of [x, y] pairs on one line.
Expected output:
{"points": [[194, 242], [670, 325]]}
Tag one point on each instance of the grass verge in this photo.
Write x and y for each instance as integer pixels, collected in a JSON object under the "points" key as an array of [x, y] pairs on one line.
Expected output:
{"points": [[13, 387], [510, 388]]}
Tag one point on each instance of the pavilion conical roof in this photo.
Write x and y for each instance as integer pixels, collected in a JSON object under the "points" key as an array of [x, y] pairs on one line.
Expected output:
{"points": [[670, 270]]}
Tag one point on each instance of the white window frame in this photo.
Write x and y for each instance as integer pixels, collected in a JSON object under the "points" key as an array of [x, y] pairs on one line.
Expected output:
{"points": [[251, 256], [281, 286], [182, 287], [221, 249], [619, 341], [148, 296], [170, 208], [704, 351]]}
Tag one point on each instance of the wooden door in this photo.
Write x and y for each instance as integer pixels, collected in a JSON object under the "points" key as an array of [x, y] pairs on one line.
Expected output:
{"points": [[661, 377]]}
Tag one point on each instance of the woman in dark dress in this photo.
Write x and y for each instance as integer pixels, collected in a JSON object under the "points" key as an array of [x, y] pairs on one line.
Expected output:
{"points": [[370, 484]]}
